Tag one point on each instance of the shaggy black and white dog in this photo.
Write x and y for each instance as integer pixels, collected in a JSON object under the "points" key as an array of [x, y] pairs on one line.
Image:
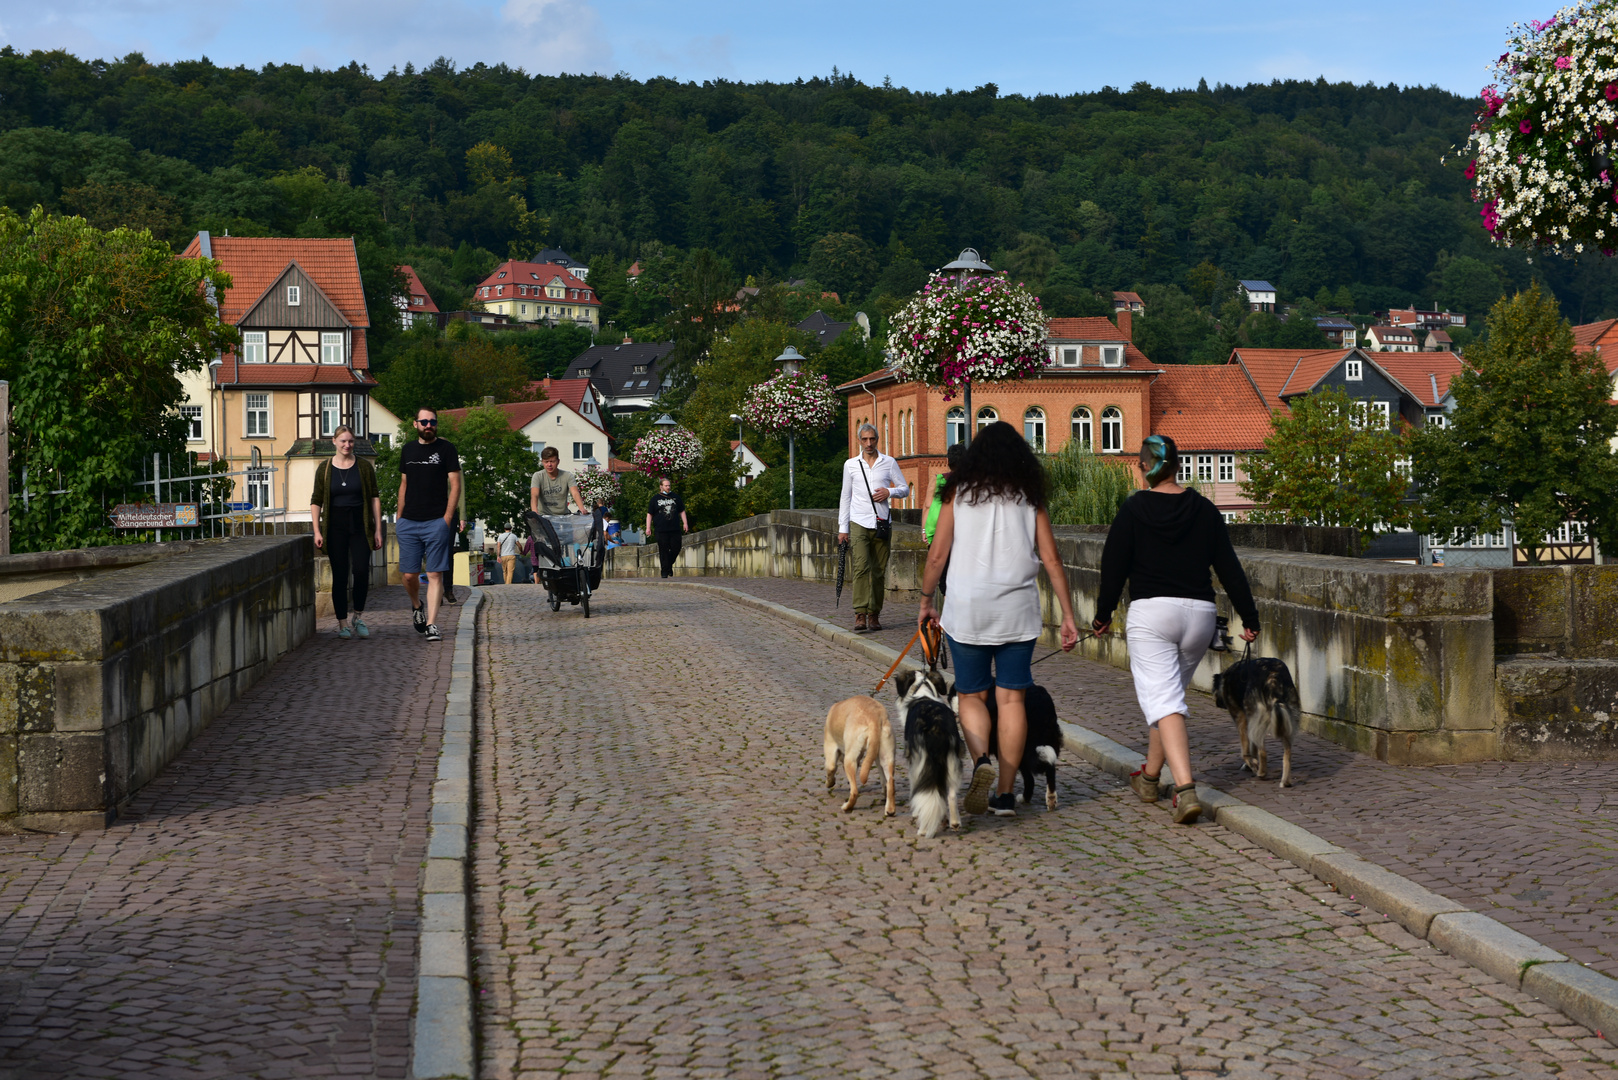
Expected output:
{"points": [[933, 748], [1263, 700], [1044, 743]]}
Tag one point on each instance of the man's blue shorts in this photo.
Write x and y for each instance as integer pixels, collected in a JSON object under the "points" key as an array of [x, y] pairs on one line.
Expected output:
{"points": [[1012, 662], [424, 546]]}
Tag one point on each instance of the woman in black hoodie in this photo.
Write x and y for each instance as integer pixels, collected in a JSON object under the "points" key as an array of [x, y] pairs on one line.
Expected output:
{"points": [[1163, 543]]}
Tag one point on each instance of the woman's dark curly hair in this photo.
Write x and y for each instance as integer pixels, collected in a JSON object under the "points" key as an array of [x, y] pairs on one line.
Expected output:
{"points": [[998, 465]]}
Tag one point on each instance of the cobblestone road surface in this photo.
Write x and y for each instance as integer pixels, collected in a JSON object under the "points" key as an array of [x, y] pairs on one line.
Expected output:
{"points": [[1532, 845], [664, 888], [255, 913]]}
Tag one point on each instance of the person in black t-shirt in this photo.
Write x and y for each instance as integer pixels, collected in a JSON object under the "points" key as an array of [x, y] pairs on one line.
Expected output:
{"points": [[665, 518], [429, 493]]}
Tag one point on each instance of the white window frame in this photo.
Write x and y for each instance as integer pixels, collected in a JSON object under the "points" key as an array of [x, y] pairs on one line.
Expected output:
{"points": [[1354, 371], [331, 409], [589, 451], [1437, 420], [955, 427], [193, 422], [1112, 430], [294, 295], [1072, 355], [255, 347], [1112, 356], [1205, 468], [1227, 468], [1033, 428], [331, 348], [986, 416], [256, 415], [1384, 414], [1183, 475], [1082, 427]]}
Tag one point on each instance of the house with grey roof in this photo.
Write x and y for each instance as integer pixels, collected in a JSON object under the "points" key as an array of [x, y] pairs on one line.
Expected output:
{"points": [[629, 377]]}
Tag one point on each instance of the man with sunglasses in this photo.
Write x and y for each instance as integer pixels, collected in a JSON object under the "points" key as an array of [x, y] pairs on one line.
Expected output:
{"points": [[429, 493]]}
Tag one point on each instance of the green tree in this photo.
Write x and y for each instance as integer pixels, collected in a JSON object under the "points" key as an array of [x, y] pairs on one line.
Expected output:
{"points": [[485, 368], [421, 375], [95, 329], [1331, 463], [844, 263], [1087, 488], [495, 465], [1530, 441]]}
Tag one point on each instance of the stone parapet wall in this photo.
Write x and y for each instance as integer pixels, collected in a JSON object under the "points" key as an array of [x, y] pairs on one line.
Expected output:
{"points": [[104, 681], [1395, 660]]}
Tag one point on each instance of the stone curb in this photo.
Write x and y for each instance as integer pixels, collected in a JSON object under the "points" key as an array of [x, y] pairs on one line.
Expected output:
{"points": [[1587, 997], [442, 1045]]}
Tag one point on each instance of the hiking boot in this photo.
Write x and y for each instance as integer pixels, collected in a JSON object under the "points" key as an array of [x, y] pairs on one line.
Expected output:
{"points": [[418, 618], [433, 634], [977, 796], [360, 629], [1186, 807], [1003, 805], [859, 624], [1145, 786], [873, 624]]}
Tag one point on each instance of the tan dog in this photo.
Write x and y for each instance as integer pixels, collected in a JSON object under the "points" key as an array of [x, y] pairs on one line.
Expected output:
{"points": [[857, 730]]}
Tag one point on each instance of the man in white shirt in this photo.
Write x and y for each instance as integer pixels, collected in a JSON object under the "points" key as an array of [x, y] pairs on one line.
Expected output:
{"points": [[507, 553], [871, 481]]}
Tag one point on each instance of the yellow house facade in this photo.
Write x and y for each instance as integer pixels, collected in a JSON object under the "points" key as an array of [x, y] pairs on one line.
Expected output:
{"points": [[530, 292]]}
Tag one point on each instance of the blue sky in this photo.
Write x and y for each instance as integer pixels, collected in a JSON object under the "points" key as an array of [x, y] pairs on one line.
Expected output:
{"points": [[1036, 46]]}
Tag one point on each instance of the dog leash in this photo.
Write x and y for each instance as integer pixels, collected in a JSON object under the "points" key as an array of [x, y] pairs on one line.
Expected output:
{"points": [[1053, 652], [931, 638]]}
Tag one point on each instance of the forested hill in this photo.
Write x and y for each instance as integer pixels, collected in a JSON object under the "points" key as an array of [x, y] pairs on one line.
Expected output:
{"points": [[1335, 192]]}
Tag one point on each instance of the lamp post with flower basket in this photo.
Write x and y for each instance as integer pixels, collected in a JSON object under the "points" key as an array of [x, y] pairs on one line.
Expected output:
{"points": [[1546, 133], [793, 402], [977, 325], [598, 486]]}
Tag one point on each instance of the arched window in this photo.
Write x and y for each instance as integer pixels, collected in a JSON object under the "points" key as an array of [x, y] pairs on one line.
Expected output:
{"points": [[986, 416], [912, 436], [1112, 431], [1082, 430], [1033, 428], [954, 427]]}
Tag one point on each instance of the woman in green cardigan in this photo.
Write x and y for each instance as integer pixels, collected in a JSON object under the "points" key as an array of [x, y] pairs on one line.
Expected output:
{"points": [[346, 503]]}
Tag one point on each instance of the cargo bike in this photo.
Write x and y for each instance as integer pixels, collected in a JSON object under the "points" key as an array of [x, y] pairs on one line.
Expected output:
{"points": [[569, 554]]}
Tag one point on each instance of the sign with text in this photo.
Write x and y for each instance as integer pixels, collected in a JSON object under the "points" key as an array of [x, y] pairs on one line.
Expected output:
{"points": [[156, 515]]}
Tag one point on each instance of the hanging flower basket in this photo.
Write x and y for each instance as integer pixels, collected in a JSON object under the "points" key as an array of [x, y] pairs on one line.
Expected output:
{"points": [[1546, 133], [667, 450], [597, 486], [791, 404], [988, 330]]}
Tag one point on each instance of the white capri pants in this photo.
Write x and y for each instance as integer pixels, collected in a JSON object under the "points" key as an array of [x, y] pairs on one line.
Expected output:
{"points": [[1167, 637]]}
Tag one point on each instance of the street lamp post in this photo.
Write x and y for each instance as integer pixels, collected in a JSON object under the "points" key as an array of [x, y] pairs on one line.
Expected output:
{"points": [[968, 263], [791, 361]]}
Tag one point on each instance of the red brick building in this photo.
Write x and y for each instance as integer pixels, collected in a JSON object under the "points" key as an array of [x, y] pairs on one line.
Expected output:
{"points": [[1096, 387]]}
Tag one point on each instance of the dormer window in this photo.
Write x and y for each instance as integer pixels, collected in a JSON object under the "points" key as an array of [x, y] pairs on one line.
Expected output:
{"points": [[294, 296], [1354, 371], [1112, 356], [584, 373], [1070, 355], [638, 369], [501, 274]]}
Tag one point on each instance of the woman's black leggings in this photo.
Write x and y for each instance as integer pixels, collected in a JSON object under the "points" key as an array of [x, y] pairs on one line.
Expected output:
{"points": [[349, 550]]}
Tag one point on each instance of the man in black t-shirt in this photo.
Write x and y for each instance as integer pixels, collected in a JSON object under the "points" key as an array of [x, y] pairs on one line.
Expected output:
{"points": [[429, 494], [665, 518]]}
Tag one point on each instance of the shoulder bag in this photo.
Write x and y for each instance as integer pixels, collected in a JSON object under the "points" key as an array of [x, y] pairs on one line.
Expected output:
{"points": [[884, 525]]}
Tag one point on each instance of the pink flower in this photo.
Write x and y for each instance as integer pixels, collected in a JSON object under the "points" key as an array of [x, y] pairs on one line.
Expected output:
{"points": [[1490, 219], [1564, 62], [1612, 91], [1472, 169]]}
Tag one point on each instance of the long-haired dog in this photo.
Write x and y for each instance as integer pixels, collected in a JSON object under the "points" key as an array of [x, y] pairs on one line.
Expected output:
{"points": [[858, 731], [1263, 700], [1044, 743], [933, 748]]}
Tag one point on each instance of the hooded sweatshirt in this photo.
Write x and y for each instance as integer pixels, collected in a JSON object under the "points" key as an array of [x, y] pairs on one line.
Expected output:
{"points": [[1164, 545]]}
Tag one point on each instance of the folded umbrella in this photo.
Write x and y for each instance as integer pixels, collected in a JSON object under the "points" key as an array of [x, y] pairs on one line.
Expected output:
{"points": [[842, 567]]}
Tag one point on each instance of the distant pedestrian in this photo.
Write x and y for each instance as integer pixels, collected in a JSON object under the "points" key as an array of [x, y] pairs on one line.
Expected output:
{"points": [[552, 486], [346, 513], [666, 520], [1163, 543], [994, 530], [871, 481], [506, 548], [429, 496]]}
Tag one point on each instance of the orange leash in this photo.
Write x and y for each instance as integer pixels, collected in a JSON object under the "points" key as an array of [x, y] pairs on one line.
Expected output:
{"points": [[896, 662], [931, 640]]}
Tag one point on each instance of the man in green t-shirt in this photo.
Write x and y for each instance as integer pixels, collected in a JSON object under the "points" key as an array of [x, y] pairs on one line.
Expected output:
{"points": [[550, 487]]}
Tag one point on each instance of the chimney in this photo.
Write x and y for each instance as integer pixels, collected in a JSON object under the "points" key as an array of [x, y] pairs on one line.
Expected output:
{"points": [[1126, 323], [488, 400]]}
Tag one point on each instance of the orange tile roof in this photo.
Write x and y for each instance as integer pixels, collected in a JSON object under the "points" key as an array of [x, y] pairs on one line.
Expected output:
{"points": [[1206, 407], [535, 275], [254, 262], [1269, 370], [519, 414], [1593, 336], [417, 289], [1418, 372], [1310, 370]]}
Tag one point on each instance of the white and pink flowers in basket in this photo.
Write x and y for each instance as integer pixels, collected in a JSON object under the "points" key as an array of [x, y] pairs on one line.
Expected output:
{"points": [[597, 486], [791, 403], [985, 330], [666, 450], [1546, 131]]}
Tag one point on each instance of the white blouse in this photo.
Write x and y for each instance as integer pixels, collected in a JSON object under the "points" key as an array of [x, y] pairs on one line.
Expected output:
{"points": [[993, 573]]}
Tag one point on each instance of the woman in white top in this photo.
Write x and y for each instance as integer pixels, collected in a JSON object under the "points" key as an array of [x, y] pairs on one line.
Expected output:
{"points": [[994, 533]]}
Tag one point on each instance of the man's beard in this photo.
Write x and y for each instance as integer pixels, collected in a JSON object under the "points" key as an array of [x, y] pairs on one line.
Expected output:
{"points": [[429, 435]]}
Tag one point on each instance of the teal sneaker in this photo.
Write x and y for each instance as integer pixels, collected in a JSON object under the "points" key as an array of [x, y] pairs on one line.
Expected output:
{"points": [[344, 632], [360, 629]]}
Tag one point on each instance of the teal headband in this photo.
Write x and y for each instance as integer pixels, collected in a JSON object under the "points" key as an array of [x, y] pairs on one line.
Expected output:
{"points": [[1156, 449]]}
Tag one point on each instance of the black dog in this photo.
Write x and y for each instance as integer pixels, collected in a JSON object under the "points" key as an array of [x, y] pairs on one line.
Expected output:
{"points": [[933, 748], [1044, 743], [1263, 700]]}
